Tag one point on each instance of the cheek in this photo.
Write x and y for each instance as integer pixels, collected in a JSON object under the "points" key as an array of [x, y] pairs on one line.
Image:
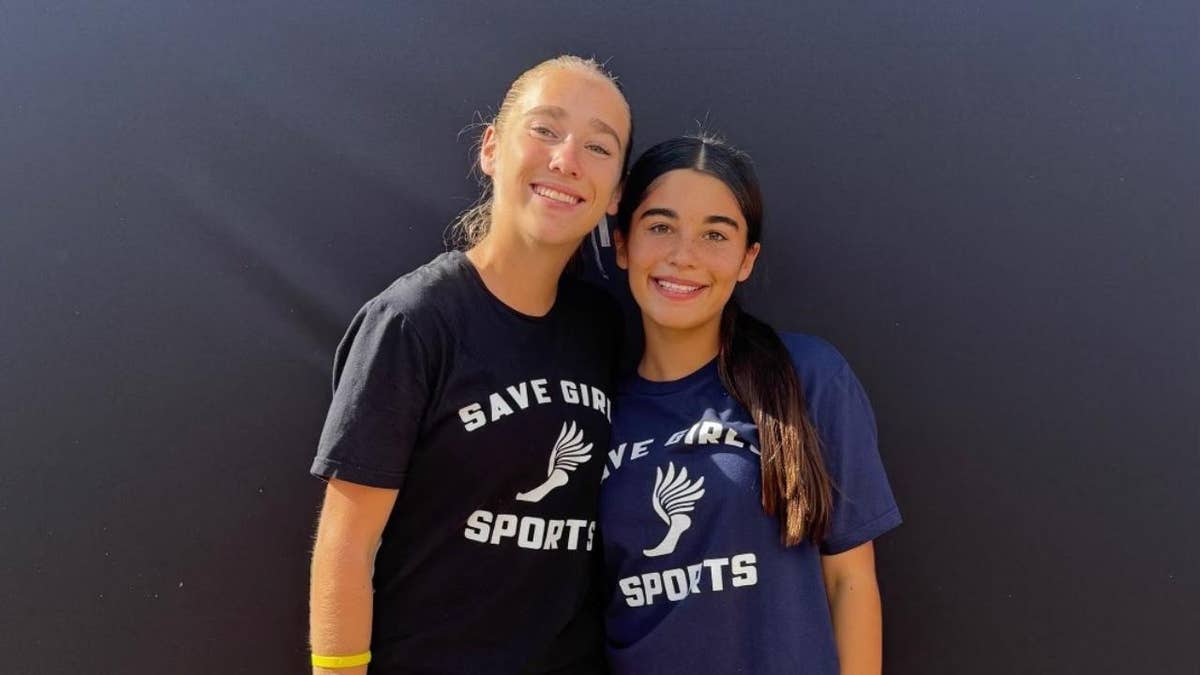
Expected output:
{"points": [[642, 254], [606, 178], [611, 171], [516, 154], [716, 260]]}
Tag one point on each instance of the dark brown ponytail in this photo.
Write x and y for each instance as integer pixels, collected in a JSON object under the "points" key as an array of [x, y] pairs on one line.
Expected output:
{"points": [[755, 368]]}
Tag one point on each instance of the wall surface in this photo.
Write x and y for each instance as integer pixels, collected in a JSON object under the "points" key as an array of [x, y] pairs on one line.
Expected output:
{"points": [[990, 207]]}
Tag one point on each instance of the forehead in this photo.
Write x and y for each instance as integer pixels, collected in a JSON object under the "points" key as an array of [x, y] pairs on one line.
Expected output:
{"points": [[582, 94], [693, 195]]}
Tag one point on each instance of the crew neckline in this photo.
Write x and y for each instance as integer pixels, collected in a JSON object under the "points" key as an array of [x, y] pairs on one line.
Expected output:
{"points": [[636, 384], [460, 257]]}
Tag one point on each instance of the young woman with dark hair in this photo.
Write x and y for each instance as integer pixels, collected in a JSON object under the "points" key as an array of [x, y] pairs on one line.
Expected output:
{"points": [[744, 487], [463, 447]]}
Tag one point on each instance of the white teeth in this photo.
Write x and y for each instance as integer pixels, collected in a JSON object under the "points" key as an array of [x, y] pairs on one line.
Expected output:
{"points": [[675, 288], [556, 195]]}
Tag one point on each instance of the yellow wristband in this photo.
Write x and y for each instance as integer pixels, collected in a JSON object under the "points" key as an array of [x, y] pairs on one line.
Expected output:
{"points": [[342, 661]]}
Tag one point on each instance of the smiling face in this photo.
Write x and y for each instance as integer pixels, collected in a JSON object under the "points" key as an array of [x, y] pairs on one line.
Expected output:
{"points": [[555, 159], [686, 250]]}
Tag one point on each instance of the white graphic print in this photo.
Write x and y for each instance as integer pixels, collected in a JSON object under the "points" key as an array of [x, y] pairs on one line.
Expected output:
{"points": [[568, 453], [674, 497]]}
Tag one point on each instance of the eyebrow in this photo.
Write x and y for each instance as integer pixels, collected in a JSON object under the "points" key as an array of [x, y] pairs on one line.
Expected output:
{"points": [[668, 213], [558, 113]]}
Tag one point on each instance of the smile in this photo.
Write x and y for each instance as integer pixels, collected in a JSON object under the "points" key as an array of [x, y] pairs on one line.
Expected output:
{"points": [[556, 195], [677, 288]]}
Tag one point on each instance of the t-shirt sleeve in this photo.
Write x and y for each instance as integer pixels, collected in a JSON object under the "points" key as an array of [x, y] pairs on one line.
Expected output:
{"points": [[863, 505], [380, 392]]}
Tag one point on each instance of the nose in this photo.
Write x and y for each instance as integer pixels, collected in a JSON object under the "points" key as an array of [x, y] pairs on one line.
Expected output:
{"points": [[681, 253], [565, 158]]}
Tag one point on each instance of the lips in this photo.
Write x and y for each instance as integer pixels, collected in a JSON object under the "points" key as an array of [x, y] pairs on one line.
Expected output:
{"points": [[677, 288], [557, 194]]}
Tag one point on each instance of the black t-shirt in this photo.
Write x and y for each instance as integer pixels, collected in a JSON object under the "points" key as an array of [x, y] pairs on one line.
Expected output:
{"points": [[493, 425]]}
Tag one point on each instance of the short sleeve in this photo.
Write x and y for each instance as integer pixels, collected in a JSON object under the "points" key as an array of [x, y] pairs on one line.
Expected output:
{"points": [[863, 505], [380, 392]]}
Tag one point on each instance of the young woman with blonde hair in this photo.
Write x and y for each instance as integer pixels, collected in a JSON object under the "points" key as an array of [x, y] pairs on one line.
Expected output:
{"points": [[470, 416]]}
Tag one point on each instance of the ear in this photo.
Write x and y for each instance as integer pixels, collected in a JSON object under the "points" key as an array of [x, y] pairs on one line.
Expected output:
{"points": [[487, 150], [619, 246], [748, 261], [615, 201]]}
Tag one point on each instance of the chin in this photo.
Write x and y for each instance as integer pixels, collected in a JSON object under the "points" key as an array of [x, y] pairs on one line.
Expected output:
{"points": [[558, 238], [679, 320], [560, 235]]}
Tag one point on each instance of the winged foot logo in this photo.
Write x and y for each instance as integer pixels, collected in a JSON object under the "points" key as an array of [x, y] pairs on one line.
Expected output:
{"points": [[568, 453], [673, 498], [531, 531]]}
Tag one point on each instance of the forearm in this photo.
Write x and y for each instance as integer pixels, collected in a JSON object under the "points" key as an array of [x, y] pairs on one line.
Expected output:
{"points": [[857, 625], [340, 599]]}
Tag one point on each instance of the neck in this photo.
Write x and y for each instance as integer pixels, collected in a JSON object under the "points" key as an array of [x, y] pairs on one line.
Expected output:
{"points": [[671, 353], [523, 275]]}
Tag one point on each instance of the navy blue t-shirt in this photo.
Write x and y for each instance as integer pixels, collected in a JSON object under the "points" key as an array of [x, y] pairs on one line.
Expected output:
{"points": [[697, 575]]}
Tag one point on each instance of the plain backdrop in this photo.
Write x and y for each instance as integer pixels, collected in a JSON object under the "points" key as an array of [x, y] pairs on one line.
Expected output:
{"points": [[990, 207]]}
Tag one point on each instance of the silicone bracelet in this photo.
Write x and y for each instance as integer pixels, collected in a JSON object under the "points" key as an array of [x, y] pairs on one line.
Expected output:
{"points": [[341, 661]]}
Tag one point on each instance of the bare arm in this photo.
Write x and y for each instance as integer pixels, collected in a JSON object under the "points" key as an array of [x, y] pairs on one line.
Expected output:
{"points": [[854, 605], [352, 520]]}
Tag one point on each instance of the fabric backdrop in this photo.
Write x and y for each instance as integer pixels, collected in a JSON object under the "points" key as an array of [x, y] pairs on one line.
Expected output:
{"points": [[990, 207]]}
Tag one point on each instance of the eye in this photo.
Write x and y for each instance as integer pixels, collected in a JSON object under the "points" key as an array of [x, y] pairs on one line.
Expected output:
{"points": [[600, 149], [713, 235], [659, 228], [544, 132]]}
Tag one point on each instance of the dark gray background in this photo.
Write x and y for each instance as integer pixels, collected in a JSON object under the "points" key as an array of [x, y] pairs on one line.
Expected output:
{"points": [[990, 207]]}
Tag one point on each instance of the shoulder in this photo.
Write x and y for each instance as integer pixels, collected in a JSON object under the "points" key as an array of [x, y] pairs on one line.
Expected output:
{"points": [[415, 312], [590, 308], [815, 359], [832, 392], [585, 295], [421, 296]]}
